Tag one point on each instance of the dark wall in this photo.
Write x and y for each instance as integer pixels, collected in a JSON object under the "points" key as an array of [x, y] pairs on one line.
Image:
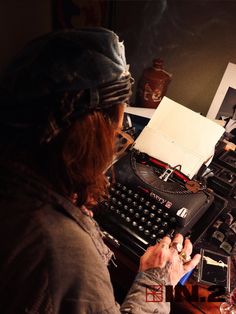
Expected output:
{"points": [[21, 21], [196, 40]]}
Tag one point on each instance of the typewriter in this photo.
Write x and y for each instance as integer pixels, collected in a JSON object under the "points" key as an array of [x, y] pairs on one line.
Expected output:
{"points": [[149, 197], [142, 207]]}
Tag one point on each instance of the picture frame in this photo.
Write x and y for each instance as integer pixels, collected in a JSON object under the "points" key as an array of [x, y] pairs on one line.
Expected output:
{"points": [[223, 103]]}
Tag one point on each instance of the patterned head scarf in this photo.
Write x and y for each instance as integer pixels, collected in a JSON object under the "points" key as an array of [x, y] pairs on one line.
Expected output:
{"points": [[87, 65]]}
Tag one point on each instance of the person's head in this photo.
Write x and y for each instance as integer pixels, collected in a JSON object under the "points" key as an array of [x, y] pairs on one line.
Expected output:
{"points": [[62, 99]]}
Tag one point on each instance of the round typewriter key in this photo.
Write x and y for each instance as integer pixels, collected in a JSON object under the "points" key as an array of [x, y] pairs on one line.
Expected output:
{"points": [[140, 228], [158, 220], [159, 211], [130, 192], [118, 211], [134, 204], [142, 199], [153, 207], [128, 219], [131, 210], [117, 192], [165, 215], [164, 224], [112, 189], [129, 200], [136, 196], [147, 232], [124, 188], [113, 199], [153, 236], [146, 212], [148, 223], [161, 232], [143, 219], [122, 215], [154, 227], [126, 207], [137, 215], [123, 196], [118, 184], [152, 215], [112, 207], [106, 204], [134, 224], [147, 203], [119, 203], [140, 207]]}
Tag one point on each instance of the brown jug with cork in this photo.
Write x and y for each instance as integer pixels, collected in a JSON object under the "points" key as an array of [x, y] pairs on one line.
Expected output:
{"points": [[152, 85]]}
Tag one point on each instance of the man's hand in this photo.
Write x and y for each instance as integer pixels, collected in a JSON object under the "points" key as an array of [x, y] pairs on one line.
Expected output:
{"points": [[174, 256]]}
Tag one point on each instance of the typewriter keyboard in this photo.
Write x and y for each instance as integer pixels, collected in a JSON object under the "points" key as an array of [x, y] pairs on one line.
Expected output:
{"points": [[138, 214]]}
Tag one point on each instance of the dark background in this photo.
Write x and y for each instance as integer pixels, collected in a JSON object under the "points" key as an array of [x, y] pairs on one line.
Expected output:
{"points": [[196, 39]]}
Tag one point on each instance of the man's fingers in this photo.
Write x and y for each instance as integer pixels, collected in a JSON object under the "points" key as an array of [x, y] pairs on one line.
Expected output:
{"points": [[165, 240], [192, 263]]}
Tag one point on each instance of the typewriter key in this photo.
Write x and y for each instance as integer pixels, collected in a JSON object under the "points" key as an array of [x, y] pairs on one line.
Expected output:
{"points": [[164, 224], [140, 228], [131, 210], [152, 215], [154, 227], [161, 232], [147, 232], [165, 215]]}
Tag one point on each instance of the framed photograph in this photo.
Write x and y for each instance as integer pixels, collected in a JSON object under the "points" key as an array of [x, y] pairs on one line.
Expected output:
{"points": [[224, 102]]}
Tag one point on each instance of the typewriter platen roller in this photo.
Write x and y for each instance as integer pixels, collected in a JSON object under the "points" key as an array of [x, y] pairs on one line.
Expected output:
{"points": [[142, 208]]}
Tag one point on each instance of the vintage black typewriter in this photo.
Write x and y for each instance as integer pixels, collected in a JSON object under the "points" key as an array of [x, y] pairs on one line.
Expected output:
{"points": [[149, 200]]}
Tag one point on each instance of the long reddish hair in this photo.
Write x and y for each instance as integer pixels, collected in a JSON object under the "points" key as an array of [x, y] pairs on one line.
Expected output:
{"points": [[76, 162]]}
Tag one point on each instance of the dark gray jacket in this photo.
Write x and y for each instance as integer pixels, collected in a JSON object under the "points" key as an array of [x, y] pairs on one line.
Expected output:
{"points": [[53, 258]]}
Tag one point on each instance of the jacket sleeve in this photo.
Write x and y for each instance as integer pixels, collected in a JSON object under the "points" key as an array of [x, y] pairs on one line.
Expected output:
{"points": [[147, 294]]}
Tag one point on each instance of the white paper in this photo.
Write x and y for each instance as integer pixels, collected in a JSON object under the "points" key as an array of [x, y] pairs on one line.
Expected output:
{"points": [[179, 136]]}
